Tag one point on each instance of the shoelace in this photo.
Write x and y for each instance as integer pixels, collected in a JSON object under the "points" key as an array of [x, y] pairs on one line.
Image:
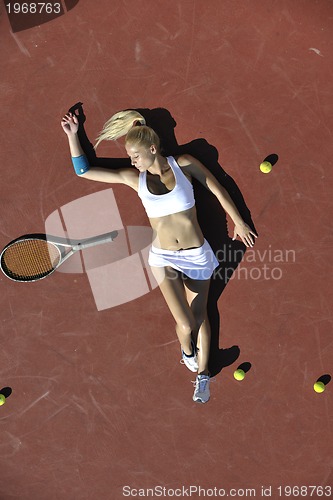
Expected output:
{"points": [[200, 383], [182, 362]]}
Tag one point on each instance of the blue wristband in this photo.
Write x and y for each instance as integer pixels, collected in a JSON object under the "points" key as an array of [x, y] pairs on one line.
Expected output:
{"points": [[80, 164]]}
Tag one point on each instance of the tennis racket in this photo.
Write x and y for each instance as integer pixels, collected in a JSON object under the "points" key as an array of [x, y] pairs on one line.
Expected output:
{"points": [[34, 256]]}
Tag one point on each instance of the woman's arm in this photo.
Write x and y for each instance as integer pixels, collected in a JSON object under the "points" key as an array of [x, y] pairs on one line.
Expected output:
{"points": [[127, 176], [197, 170]]}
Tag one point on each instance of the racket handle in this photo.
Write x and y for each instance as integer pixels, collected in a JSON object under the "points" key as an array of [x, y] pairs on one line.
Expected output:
{"points": [[80, 164], [96, 240]]}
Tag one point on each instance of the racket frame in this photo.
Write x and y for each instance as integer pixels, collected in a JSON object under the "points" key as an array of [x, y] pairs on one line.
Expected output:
{"points": [[62, 245]]}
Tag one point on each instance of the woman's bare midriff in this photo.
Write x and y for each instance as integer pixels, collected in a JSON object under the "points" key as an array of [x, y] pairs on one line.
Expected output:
{"points": [[179, 231]]}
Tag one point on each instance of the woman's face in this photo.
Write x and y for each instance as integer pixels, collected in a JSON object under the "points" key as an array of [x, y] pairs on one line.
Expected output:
{"points": [[141, 157]]}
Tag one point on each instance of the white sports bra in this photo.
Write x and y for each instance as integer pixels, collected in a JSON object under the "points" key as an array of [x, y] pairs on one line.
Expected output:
{"points": [[179, 199]]}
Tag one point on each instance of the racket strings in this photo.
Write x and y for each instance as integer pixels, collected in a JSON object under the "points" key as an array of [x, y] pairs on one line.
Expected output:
{"points": [[30, 259]]}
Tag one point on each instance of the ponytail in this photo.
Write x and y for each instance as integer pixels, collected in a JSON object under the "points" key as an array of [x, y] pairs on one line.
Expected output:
{"points": [[119, 125]]}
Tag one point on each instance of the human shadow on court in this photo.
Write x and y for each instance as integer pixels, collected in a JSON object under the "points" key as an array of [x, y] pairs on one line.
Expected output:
{"points": [[211, 216]]}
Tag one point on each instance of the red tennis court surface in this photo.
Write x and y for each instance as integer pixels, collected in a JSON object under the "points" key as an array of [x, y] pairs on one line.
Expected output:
{"points": [[98, 405]]}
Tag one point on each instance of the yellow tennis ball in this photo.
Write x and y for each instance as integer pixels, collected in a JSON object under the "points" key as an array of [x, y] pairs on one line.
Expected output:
{"points": [[265, 167], [319, 387], [2, 399], [239, 374]]}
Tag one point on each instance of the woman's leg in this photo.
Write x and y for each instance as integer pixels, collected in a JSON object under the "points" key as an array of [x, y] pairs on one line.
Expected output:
{"points": [[187, 301], [173, 290], [197, 297]]}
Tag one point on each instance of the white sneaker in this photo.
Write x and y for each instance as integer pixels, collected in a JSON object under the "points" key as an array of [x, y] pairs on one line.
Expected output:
{"points": [[191, 362], [201, 389]]}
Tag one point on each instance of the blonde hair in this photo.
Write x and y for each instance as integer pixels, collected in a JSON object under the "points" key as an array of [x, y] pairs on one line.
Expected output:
{"points": [[143, 136], [118, 125]]}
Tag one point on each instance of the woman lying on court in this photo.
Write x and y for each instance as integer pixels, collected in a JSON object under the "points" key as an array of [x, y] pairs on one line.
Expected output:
{"points": [[181, 260]]}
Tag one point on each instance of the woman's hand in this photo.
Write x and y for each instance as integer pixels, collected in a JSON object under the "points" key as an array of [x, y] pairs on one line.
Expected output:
{"points": [[245, 233], [70, 124]]}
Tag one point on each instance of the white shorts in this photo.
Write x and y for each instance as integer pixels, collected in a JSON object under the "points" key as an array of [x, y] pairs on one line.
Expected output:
{"points": [[196, 263]]}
